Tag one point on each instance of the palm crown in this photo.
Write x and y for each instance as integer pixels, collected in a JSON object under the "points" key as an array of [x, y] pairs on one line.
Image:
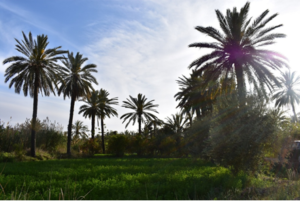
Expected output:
{"points": [[140, 106], [236, 50], [287, 94]]}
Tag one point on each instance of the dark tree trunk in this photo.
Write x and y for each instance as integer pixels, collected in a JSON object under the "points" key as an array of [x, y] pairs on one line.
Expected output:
{"points": [[70, 126], [198, 114], [102, 130], [34, 115], [140, 125], [93, 126], [240, 84]]}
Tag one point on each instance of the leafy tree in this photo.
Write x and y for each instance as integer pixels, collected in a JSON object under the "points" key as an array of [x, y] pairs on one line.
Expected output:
{"points": [[287, 94], [140, 107], [236, 51], [105, 109], [35, 73], [79, 130], [77, 83]]}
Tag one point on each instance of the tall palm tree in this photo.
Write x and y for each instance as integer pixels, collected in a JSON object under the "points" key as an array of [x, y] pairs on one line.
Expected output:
{"points": [[140, 107], [35, 73], [106, 110], [287, 94], [91, 109], [236, 53], [77, 83], [79, 130]]}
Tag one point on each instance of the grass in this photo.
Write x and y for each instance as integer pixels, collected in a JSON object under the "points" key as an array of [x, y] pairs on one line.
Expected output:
{"points": [[117, 178]]}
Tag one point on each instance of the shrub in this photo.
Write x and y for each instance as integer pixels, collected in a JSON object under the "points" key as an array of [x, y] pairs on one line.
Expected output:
{"points": [[117, 144], [91, 146], [239, 137]]}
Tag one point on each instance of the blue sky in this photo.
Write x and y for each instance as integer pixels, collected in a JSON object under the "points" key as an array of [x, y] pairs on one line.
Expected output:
{"points": [[138, 46]]}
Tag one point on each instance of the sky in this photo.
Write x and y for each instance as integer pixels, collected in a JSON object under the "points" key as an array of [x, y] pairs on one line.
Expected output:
{"points": [[138, 46]]}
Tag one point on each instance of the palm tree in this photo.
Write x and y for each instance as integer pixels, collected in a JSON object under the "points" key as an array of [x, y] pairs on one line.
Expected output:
{"points": [[91, 109], [154, 122], [236, 51], [35, 73], [79, 130], [106, 110], [140, 106], [77, 83], [287, 94], [177, 123]]}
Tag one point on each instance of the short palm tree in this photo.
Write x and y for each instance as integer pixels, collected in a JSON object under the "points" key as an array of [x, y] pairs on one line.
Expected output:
{"points": [[77, 83], [91, 109], [287, 94], [105, 110], [177, 122], [35, 73], [155, 123], [140, 106], [236, 51], [79, 131]]}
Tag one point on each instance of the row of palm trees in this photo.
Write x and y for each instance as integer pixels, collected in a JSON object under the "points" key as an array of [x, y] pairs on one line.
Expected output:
{"points": [[38, 72], [236, 57]]}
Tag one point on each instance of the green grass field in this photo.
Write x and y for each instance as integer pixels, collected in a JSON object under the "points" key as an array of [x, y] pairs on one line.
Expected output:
{"points": [[116, 178]]}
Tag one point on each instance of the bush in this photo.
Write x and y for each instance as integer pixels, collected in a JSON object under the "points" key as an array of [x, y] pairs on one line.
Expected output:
{"points": [[91, 146], [117, 144], [239, 137]]}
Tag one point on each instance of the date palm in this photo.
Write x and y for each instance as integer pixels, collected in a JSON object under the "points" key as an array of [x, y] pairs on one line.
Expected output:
{"points": [[287, 94], [177, 123], [140, 106], [79, 130], [105, 110], [35, 72], [236, 51], [91, 109], [77, 83]]}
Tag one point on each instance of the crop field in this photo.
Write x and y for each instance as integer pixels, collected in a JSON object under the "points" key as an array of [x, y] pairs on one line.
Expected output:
{"points": [[116, 178]]}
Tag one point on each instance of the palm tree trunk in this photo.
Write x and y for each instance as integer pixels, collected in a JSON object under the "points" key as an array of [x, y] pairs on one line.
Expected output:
{"points": [[34, 115], [296, 119], [102, 130], [140, 125], [93, 126], [198, 114], [240, 84], [70, 126]]}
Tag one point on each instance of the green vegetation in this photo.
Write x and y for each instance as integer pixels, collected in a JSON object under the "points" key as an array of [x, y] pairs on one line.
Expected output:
{"points": [[227, 142], [117, 178]]}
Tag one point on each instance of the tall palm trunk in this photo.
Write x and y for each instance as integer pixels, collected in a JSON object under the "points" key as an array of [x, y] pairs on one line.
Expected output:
{"points": [[70, 125], [296, 119], [93, 126], [102, 130], [240, 84], [34, 115]]}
